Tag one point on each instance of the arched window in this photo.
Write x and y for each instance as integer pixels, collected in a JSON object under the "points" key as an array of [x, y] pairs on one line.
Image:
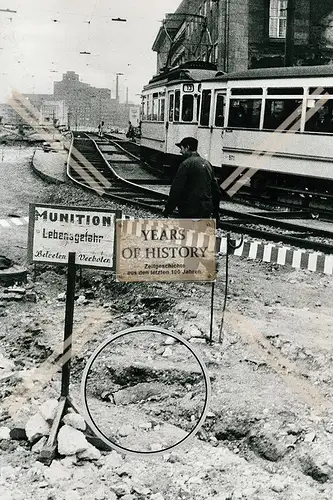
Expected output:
{"points": [[277, 18]]}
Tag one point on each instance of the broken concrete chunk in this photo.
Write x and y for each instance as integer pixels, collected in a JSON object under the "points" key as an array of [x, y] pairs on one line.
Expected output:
{"points": [[71, 441], [36, 427]]}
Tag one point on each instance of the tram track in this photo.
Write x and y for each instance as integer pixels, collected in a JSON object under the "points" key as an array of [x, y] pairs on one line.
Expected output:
{"points": [[95, 164], [107, 167]]}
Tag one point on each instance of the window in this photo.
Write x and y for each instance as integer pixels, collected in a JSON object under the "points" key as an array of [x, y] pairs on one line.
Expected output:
{"points": [[171, 106], [277, 18], [177, 106], [246, 91], [205, 107], [285, 91], [244, 113], [144, 108], [322, 120], [187, 109], [216, 52], [278, 110], [149, 106], [219, 111], [155, 107], [198, 107], [162, 108]]}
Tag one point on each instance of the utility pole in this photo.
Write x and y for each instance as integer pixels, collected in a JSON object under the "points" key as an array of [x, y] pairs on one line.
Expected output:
{"points": [[290, 32]]}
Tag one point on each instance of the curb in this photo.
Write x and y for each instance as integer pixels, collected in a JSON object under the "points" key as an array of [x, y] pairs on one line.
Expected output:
{"points": [[43, 175], [284, 256]]}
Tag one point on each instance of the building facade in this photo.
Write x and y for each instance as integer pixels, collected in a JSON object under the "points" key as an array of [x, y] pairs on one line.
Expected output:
{"points": [[241, 34]]}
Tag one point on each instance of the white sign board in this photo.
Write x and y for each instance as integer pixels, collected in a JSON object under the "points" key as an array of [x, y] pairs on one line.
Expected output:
{"points": [[134, 116], [55, 230], [166, 250]]}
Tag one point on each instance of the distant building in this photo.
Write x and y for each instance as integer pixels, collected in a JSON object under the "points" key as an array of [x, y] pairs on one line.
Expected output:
{"points": [[242, 34], [54, 113], [77, 105]]}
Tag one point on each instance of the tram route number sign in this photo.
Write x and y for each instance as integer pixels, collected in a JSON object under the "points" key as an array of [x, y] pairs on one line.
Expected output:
{"points": [[55, 230], [166, 250]]}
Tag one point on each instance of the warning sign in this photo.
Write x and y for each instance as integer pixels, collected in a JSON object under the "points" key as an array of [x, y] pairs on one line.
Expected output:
{"points": [[54, 231], [166, 250]]}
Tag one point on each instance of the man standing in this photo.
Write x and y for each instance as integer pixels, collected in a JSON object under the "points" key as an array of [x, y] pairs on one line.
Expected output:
{"points": [[195, 191]]}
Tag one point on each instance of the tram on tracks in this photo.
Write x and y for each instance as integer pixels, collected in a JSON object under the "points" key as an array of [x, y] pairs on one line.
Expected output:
{"points": [[276, 121]]}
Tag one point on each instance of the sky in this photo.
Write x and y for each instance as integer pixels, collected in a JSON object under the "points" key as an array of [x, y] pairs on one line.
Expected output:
{"points": [[44, 39]]}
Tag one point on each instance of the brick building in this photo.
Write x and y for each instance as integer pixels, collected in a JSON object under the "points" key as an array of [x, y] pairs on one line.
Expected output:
{"points": [[242, 34]]}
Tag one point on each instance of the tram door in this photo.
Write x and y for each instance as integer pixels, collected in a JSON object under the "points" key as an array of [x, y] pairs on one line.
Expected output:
{"points": [[218, 119]]}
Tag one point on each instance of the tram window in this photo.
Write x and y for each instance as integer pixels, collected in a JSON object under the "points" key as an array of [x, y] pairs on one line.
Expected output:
{"points": [[155, 107], [322, 120], [285, 91], [205, 107], [198, 107], [149, 107], [219, 118], [162, 109], [249, 91], [177, 105], [187, 109], [277, 111], [244, 113], [171, 105], [320, 90], [144, 109]]}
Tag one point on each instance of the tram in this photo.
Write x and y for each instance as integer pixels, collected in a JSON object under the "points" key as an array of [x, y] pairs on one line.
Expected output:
{"points": [[278, 122]]}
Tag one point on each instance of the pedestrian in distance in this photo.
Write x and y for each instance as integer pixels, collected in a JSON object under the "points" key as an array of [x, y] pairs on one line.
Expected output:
{"points": [[130, 131], [195, 190]]}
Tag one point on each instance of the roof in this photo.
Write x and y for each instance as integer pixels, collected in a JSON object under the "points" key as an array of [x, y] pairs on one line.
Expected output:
{"points": [[194, 71], [284, 72]]}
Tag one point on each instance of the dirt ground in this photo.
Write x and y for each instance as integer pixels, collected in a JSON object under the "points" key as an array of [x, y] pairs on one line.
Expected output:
{"points": [[268, 433]]}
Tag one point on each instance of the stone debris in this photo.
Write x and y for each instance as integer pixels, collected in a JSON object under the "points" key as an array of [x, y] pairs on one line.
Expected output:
{"points": [[121, 488], [167, 352], [170, 341], [56, 473], [113, 460], [125, 430], [157, 496], [36, 427], [75, 420], [277, 485], [62, 297], [48, 410], [80, 300], [309, 437], [71, 441], [4, 433], [91, 453]]}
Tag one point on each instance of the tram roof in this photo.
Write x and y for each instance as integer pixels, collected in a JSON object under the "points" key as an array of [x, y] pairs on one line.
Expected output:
{"points": [[284, 72]]}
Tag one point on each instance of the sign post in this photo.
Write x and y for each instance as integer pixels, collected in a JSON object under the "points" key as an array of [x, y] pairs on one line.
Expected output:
{"points": [[75, 236]]}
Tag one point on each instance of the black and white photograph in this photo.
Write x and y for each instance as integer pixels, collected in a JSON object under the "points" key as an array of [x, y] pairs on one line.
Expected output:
{"points": [[166, 250]]}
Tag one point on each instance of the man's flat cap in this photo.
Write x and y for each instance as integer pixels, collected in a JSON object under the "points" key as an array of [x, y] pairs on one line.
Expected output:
{"points": [[188, 141]]}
